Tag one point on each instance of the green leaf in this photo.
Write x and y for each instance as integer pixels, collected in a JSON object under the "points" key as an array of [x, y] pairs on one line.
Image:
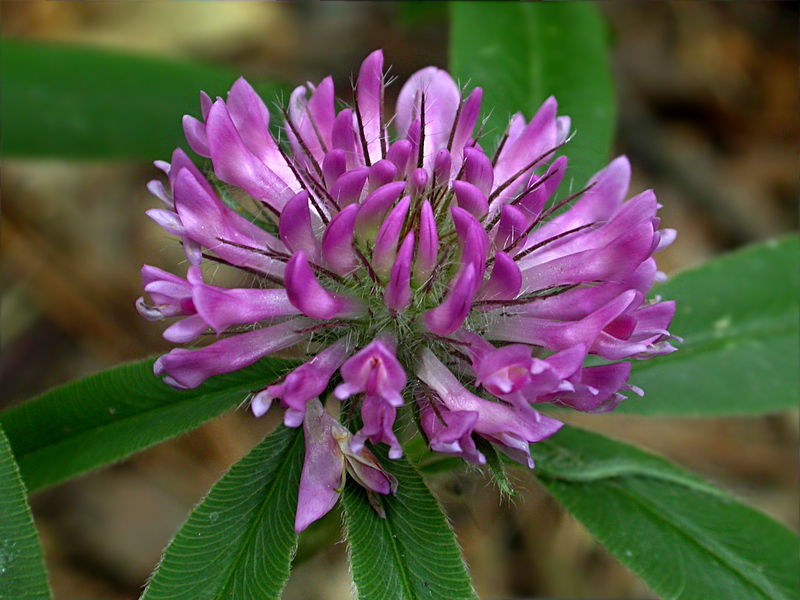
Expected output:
{"points": [[238, 543], [83, 102], [738, 317], [495, 463], [521, 53], [412, 553], [22, 573], [107, 416], [686, 539]]}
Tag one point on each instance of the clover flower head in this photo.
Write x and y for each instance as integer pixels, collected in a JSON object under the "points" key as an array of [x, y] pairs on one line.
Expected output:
{"points": [[415, 269]]}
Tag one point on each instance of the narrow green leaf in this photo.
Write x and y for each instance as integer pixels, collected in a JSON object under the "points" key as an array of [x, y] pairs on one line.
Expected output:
{"points": [[738, 317], [107, 416], [495, 463], [521, 53], [238, 543], [22, 573], [63, 100], [412, 553], [686, 539]]}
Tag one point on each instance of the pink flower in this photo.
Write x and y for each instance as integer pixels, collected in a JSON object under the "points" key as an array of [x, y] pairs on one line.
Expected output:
{"points": [[328, 457], [410, 263]]}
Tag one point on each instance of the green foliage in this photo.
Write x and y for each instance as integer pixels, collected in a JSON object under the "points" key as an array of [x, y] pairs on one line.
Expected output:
{"points": [[685, 538], [521, 53], [107, 416], [239, 542], [78, 102], [738, 317], [412, 553], [22, 572], [495, 463]]}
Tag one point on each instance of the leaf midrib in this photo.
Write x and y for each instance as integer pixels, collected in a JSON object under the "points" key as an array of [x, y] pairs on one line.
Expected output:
{"points": [[623, 470], [90, 434], [403, 571], [702, 541], [250, 530]]}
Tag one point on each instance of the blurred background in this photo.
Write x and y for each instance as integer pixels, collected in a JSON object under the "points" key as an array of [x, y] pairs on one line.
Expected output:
{"points": [[708, 114]]}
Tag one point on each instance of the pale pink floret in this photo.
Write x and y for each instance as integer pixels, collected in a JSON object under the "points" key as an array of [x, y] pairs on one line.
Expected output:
{"points": [[327, 457], [305, 383], [512, 428]]}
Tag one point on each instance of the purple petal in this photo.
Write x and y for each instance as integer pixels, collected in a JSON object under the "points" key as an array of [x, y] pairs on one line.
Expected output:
{"points": [[365, 468], [310, 298], [369, 99], [526, 144], [532, 203], [472, 239], [373, 210], [595, 389], [451, 313], [511, 427], [306, 382], [185, 330], [190, 368], [442, 166], [609, 190], [251, 118], [337, 242], [180, 161], [378, 418], [551, 374], [643, 336], [156, 188], [348, 188], [235, 164], [344, 137], [470, 198], [428, 247], [563, 125], [205, 104], [385, 250], [333, 166], [450, 431], [168, 220], [195, 132], [505, 281], [575, 304], [616, 260], [664, 238], [171, 294], [323, 467], [504, 370], [513, 223], [478, 170], [398, 291], [400, 154], [559, 335], [382, 172], [295, 227], [210, 223], [221, 307], [417, 181], [465, 125], [312, 119], [441, 97], [374, 370]]}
